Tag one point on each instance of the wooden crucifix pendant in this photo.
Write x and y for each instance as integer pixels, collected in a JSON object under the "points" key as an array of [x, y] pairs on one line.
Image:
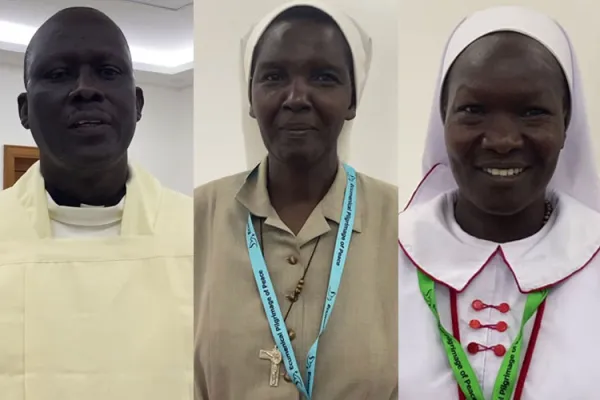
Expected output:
{"points": [[274, 356]]}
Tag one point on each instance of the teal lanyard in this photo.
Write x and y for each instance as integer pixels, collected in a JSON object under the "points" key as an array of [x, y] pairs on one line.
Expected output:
{"points": [[459, 362], [269, 298]]}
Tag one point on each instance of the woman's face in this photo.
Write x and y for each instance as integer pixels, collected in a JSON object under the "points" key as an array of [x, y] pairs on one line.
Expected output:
{"points": [[506, 110], [301, 90]]}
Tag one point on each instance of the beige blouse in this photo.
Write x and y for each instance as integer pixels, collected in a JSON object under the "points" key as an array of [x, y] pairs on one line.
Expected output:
{"points": [[357, 356]]}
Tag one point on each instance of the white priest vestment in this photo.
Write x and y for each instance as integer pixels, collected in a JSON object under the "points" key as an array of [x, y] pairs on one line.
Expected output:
{"points": [[102, 316]]}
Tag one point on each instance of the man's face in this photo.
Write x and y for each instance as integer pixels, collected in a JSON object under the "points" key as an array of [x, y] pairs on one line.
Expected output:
{"points": [[81, 103]]}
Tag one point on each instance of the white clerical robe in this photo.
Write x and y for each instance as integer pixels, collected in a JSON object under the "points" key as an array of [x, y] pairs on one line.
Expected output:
{"points": [[96, 318], [559, 356]]}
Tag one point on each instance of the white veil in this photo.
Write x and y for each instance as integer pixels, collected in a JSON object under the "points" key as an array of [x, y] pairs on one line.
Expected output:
{"points": [[576, 173], [360, 46]]}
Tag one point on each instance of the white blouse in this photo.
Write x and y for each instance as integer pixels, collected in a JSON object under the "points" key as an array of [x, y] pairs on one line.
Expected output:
{"points": [[481, 289]]}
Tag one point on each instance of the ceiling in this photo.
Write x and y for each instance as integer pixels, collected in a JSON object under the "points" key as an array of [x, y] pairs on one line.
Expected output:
{"points": [[159, 32], [172, 5]]}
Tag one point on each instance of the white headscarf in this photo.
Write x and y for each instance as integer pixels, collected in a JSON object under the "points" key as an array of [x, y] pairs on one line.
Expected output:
{"points": [[576, 173], [360, 46]]}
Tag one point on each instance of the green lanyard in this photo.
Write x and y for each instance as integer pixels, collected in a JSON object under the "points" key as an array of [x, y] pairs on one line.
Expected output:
{"points": [[463, 372]]}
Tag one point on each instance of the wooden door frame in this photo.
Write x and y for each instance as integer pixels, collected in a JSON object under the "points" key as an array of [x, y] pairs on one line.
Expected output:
{"points": [[11, 154]]}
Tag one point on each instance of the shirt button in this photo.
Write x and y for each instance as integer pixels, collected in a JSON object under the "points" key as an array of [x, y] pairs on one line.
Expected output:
{"points": [[287, 378], [292, 334], [499, 350], [504, 308], [477, 305], [292, 260], [475, 324], [501, 326], [473, 348]]}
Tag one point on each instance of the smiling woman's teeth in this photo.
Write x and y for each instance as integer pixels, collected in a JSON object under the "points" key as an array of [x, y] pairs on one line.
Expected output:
{"points": [[503, 172]]}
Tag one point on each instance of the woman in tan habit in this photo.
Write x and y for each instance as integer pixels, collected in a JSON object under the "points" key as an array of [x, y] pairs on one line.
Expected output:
{"points": [[296, 259]]}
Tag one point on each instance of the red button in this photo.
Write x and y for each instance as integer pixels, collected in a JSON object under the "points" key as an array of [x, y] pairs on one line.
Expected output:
{"points": [[473, 348], [501, 326], [478, 305], [475, 324], [503, 308], [499, 350]]}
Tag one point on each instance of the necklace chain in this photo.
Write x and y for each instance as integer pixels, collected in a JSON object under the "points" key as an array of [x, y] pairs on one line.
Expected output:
{"points": [[547, 212], [295, 295]]}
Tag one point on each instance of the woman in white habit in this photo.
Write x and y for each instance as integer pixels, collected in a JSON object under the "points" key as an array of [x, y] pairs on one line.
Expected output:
{"points": [[499, 278]]}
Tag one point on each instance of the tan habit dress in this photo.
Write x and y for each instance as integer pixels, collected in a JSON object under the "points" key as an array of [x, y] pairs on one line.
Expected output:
{"points": [[357, 356]]}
